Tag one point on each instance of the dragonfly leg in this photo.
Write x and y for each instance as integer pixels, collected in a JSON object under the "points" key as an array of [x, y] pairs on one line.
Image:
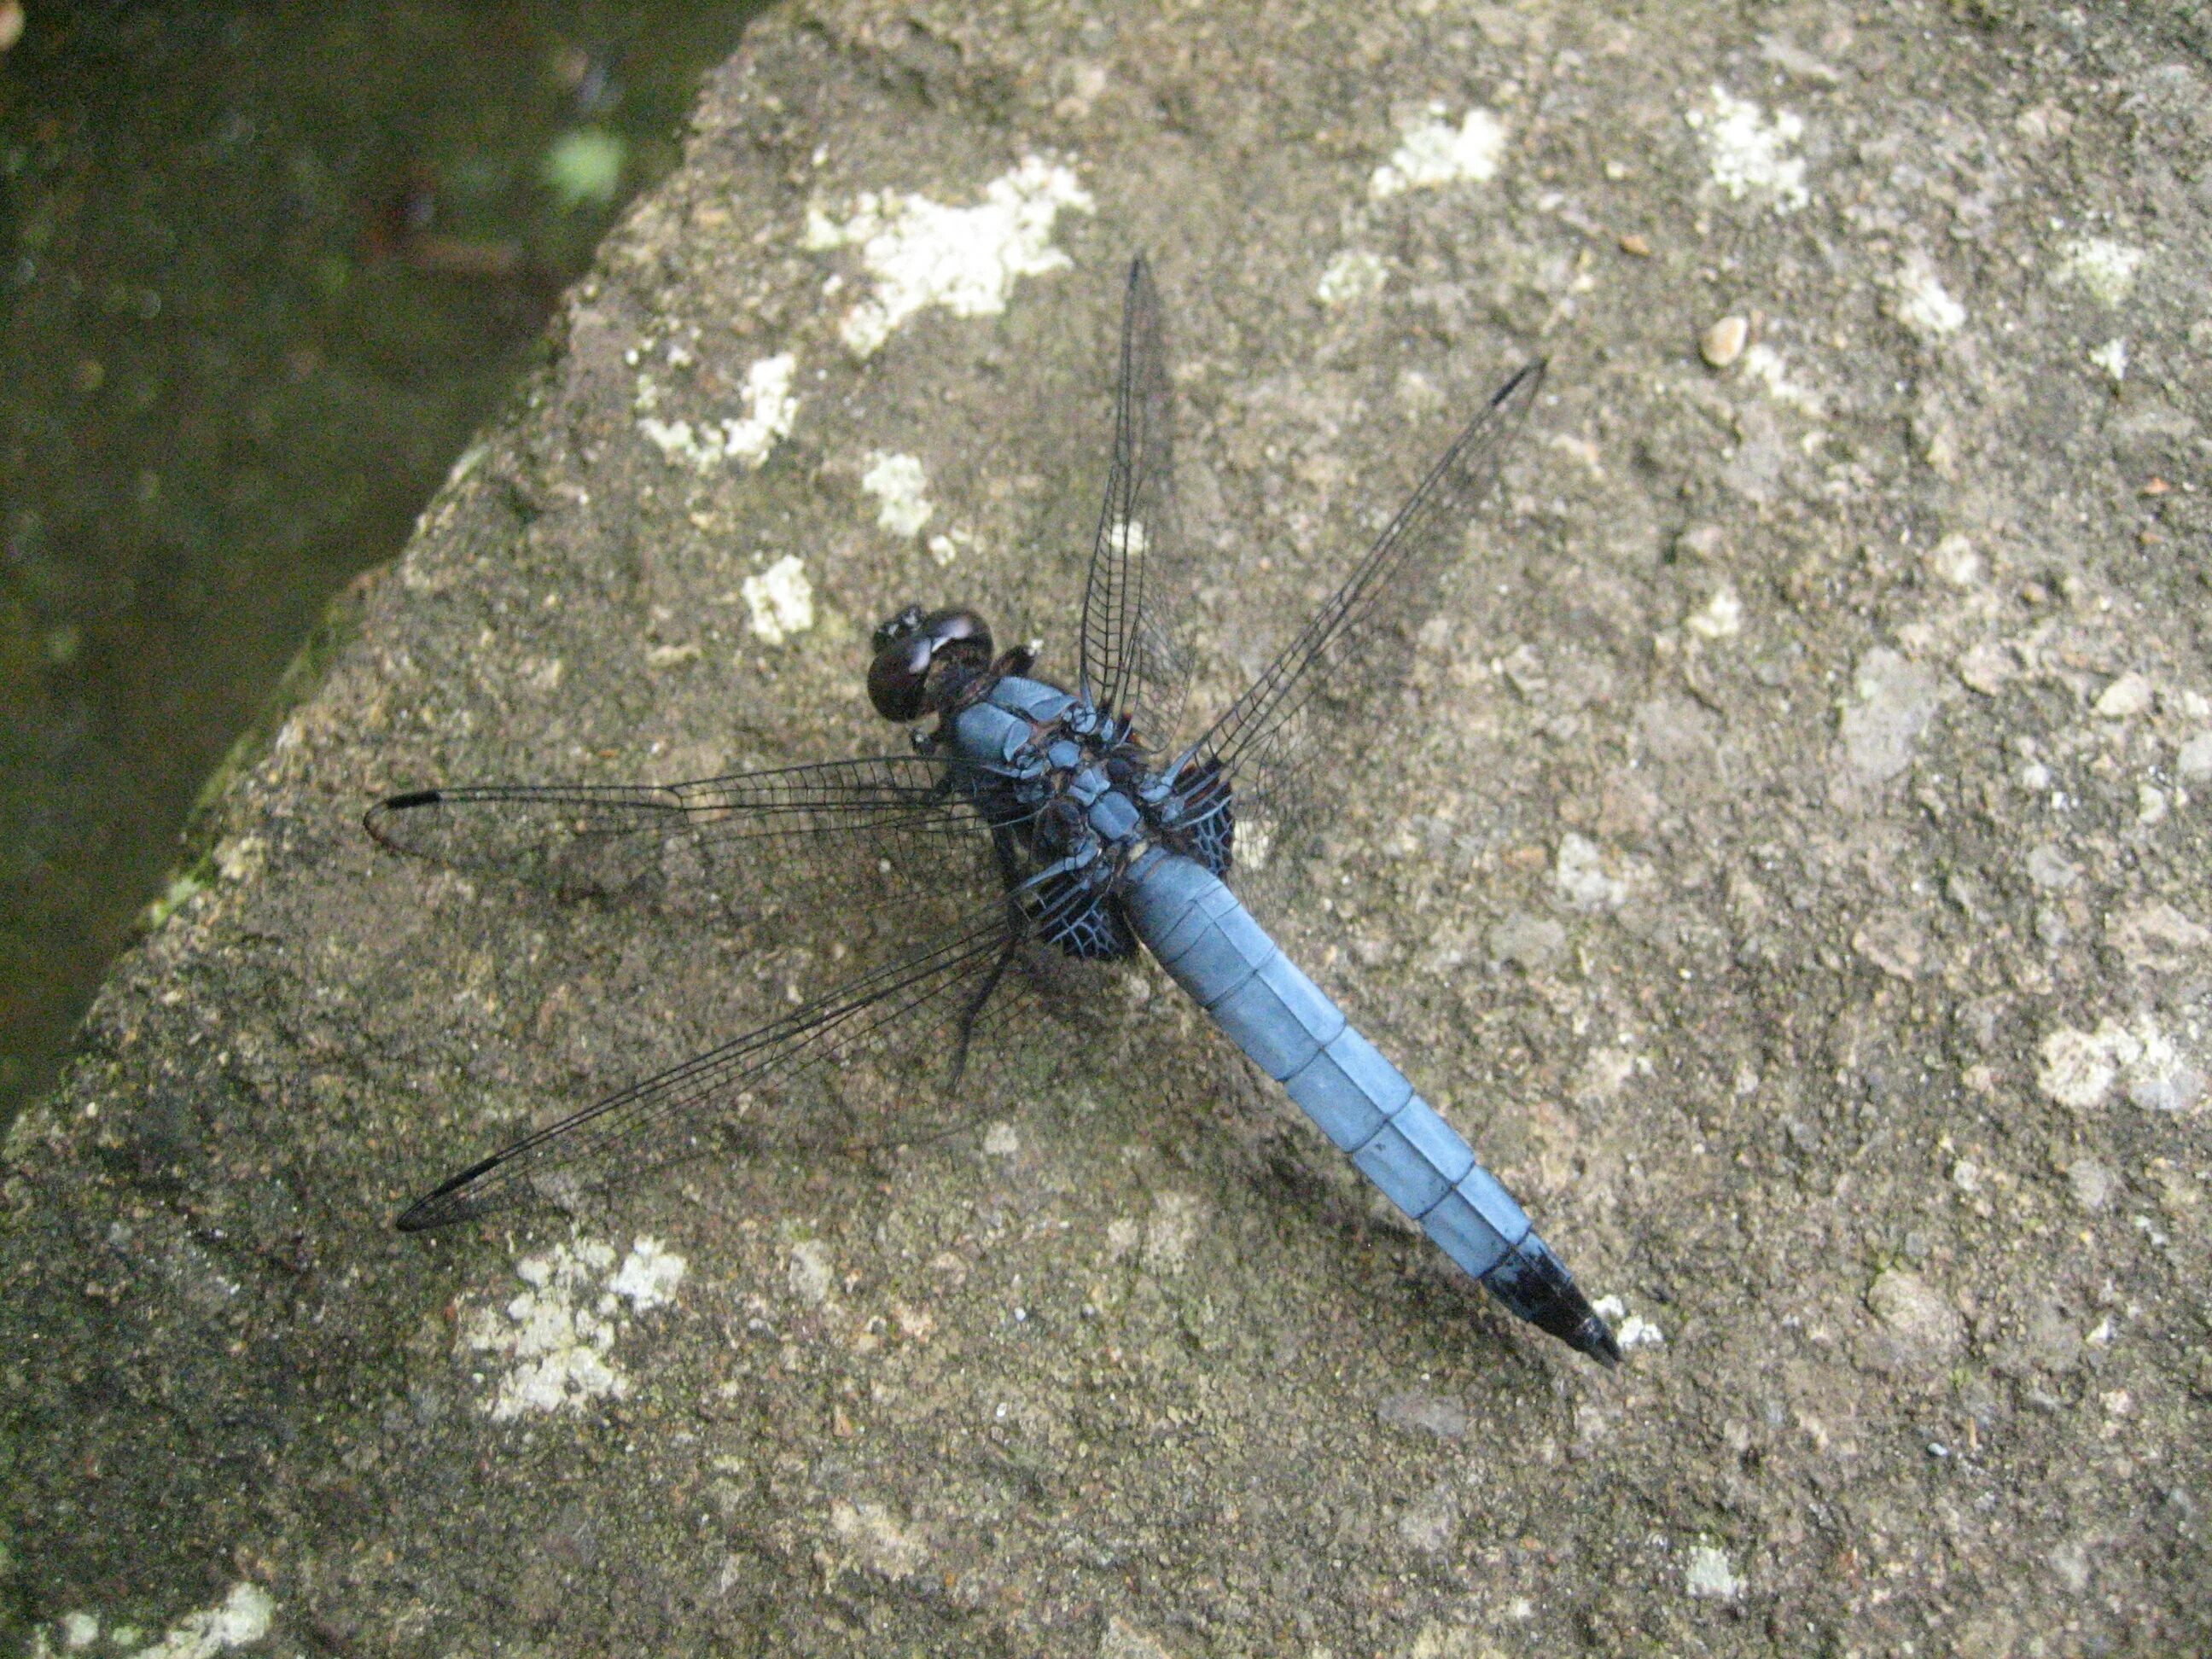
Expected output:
{"points": [[1010, 864], [964, 1031]]}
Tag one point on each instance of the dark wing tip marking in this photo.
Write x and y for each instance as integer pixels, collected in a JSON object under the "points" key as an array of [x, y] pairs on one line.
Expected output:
{"points": [[1529, 374], [445, 1203], [377, 820]]}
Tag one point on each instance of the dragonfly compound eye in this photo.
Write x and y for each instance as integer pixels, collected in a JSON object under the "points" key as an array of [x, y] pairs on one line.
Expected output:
{"points": [[889, 632], [921, 660]]}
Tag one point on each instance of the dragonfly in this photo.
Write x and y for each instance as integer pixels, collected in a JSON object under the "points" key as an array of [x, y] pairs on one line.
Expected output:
{"points": [[1030, 831]]}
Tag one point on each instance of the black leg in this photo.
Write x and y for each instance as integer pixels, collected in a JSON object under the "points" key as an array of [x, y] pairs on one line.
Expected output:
{"points": [[966, 1031]]}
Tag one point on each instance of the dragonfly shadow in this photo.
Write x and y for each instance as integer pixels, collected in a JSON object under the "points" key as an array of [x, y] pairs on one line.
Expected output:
{"points": [[1330, 1210]]}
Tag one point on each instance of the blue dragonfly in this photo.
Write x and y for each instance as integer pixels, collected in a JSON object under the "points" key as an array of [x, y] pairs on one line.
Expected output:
{"points": [[1032, 828]]}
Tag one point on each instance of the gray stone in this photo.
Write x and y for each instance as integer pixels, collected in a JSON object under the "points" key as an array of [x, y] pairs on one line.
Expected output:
{"points": [[1895, 700], [1428, 1414], [1112, 1389], [2157, 937], [1527, 941], [2093, 1183], [1921, 1332], [2194, 759]]}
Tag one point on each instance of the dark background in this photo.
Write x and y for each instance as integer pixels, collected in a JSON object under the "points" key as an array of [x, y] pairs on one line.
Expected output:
{"points": [[263, 271]]}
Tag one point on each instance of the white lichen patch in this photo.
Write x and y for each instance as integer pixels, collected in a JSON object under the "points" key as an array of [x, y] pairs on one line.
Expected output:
{"points": [[1954, 562], [875, 1540], [1750, 155], [901, 489], [680, 444], [1127, 536], [559, 1333], [1632, 1331], [780, 600], [770, 407], [1352, 275], [2105, 268], [648, 1276], [2079, 1069], [1711, 1576], [921, 252], [1770, 369], [242, 1618], [1924, 304], [1580, 876], [1432, 153], [1721, 618]]}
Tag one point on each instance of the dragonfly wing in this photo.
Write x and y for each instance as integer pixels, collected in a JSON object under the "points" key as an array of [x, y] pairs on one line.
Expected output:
{"points": [[904, 1052], [1265, 739], [848, 829], [1281, 741], [1133, 661]]}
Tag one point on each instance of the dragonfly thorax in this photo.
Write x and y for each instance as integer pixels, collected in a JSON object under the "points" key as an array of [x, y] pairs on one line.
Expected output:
{"points": [[1074, 802]]}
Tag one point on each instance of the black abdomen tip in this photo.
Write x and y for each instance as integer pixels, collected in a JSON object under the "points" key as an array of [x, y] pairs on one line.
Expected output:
{"points": [[1535, 1285]]}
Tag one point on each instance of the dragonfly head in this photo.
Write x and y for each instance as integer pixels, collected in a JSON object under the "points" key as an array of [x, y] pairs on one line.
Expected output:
{"points": [[923, 658]]}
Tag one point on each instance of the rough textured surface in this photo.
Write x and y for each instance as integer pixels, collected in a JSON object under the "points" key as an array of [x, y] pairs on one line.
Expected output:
{"points": [[1792, 877]]}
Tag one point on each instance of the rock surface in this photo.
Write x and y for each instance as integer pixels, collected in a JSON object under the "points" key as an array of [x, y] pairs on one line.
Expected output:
{"points": [[1798, 664]]}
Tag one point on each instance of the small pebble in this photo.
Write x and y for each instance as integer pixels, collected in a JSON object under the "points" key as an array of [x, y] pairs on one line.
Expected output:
{"points": [[1710, 541], [1925, 1331], [1631, 243], [1955, 562], [1723, 342], [1709, 1575], [2195, 760], [2129, 695], [2093, 1184], [2049, 869]]}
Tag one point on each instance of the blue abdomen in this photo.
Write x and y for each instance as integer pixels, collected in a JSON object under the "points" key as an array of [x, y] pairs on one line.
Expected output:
{"points": [[1287, 1025]]}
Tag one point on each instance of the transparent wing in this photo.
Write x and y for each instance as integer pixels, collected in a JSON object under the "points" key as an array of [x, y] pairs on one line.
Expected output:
{"points": [[896, 1051], [852, 828], [1348, 655], [1133, 660]]}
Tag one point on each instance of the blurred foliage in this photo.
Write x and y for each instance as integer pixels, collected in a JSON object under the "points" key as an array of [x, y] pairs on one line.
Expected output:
{"points": [[263, 270]]}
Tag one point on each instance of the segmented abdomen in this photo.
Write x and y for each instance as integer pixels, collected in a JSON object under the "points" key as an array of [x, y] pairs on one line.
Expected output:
{"points": [[1212, 946]]}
